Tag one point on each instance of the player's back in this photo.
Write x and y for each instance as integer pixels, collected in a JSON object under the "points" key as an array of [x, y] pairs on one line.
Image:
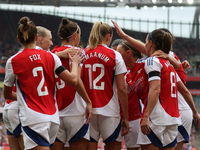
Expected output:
{"points": [[166, 107], [35, 79], [98, 74], [64, 93], [168, 92]]}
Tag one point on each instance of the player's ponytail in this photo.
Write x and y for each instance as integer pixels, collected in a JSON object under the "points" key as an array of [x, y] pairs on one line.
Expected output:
{"points": [[26, 31], [67, 28], [167, 42], [98, 32], [173, 37]]}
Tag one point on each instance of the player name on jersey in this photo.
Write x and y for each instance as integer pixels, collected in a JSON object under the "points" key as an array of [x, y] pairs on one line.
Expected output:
{"points": [[35, 57], [99, 55]]}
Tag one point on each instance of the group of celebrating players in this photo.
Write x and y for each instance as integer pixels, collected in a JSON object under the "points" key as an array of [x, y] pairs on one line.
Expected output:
{"points": [[69, 97]]}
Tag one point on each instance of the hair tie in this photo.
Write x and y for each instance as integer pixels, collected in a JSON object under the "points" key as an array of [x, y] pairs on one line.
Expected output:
{"points": [[70, 35], [153, 39], [129, 48]]}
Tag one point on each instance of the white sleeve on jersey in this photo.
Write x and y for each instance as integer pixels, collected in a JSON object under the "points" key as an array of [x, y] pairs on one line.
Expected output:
{"points": [[126, 84], [152, 64], [171, 54], [58, 63], [9, 76], [178, 78], [120, 65]]}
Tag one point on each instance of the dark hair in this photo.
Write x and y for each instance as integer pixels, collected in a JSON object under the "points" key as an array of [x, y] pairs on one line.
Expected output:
{"points": [[166, 30], [26, 31], [173, 37], [127, 46], [67, 28], [162, 40], [116, 42], [98, 32]]}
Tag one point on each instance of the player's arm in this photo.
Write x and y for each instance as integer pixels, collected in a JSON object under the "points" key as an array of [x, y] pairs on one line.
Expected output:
{"points": [[188, 98], [9, 82], [154, 87], [82, 92], [172, 60], [137, 44], [123, 98], [8, 93], [65, 54], [71, 78]]}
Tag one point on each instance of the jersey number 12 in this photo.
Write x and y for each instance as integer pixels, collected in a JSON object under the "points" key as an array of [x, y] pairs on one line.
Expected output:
{"points": [[93, 68]]}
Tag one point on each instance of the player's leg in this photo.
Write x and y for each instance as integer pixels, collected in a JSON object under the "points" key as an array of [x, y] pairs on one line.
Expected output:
{"points": [[21, 141], [58, 145], [149, 147], [135, 148], [179, 145], [168, 148], [79, 145], [92, 146], [113, 146], [38, 147], [13, 143]]}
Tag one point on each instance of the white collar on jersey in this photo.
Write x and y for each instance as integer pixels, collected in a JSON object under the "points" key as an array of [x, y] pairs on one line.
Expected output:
{"points": [[37, 47], [71, 46]]}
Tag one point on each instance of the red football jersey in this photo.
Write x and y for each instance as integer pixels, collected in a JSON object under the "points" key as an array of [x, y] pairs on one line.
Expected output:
{"points": [[137, 81], [99, 69], [35, 78], [167, 105], [64, 93]]}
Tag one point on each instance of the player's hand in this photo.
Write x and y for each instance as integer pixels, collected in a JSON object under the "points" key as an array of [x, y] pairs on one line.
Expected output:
{"points": [[161, 54], [65, 54], [196, 118], [145, 126], [78, 57], [88, 112], [120, 32], [125, 127], [185, 64]]}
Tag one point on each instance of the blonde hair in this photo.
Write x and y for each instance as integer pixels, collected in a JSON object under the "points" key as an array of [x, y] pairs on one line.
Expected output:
{"points": [[42, 31], [98, 33]]}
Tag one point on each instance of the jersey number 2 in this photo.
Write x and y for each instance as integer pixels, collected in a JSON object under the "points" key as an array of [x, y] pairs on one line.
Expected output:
{"points": [[41, 84]]}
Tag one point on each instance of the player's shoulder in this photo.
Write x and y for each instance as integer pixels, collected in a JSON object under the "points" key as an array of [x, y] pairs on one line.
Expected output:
{"points": [[150, 61]]}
